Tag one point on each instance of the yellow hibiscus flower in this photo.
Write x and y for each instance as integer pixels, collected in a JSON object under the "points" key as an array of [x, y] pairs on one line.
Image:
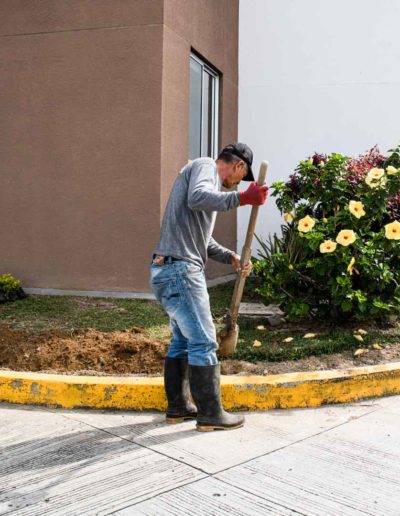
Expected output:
{"points": [[328, 246], [288, 217], [351, 268], [375, 178], [373, 183], [392, 230], [356, 208], [376, 173], [306, 224], [346, 237], [392, 170]]}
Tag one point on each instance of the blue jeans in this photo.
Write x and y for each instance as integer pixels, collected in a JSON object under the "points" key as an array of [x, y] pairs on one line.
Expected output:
{"points": [[181, 288]]}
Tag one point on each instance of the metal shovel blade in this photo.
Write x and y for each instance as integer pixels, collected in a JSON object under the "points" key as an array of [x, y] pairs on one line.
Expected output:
{"points": [[227, 340]]}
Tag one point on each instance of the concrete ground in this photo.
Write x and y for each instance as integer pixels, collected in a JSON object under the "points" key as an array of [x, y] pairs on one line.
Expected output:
{"points": [[331, 460]]}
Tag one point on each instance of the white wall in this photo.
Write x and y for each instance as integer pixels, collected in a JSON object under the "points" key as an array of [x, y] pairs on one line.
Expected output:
{"points": [[315, 75]]}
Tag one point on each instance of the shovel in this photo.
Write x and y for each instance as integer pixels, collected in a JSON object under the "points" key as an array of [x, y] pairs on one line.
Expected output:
{"points": [[228, 336]]}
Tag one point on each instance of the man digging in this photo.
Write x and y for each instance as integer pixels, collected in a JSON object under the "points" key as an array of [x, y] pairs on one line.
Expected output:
{"points": [[179, 284]]}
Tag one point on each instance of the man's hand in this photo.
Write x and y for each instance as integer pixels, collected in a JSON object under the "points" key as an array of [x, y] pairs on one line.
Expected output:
{"points": [[238, 266], [254, 195]]}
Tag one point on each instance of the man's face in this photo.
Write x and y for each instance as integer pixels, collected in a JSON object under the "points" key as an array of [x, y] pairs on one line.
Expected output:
{"points": [[238, 171]]}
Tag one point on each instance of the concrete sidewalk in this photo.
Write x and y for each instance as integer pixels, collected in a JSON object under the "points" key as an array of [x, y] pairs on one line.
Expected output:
{"points": [[331, 460]]}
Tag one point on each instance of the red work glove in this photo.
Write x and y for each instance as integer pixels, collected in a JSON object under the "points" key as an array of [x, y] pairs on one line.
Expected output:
{"points": [[254, 195]]}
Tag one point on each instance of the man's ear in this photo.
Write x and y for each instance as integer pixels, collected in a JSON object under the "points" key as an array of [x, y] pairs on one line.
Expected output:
{"points": [[240, 164], [244, 167]]}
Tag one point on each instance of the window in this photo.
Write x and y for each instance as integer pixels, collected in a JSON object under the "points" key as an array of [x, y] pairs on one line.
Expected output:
{"points": [[203, 110]]}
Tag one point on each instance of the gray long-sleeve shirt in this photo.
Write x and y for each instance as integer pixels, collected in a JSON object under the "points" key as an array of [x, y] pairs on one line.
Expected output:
{"points": [[190, 214]]}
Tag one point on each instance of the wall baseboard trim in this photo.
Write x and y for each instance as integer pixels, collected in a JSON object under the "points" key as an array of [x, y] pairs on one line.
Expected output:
{"points": [[109, 293], [88, 293]]}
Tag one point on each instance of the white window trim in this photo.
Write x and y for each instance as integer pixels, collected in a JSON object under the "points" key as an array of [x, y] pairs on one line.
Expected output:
{"points": [[215, 105]]}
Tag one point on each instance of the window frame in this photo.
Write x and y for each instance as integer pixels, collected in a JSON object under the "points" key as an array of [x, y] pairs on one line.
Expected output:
{"points": [[215, 106]]}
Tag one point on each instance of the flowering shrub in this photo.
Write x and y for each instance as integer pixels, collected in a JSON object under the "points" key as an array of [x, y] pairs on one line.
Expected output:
{"points": [[339, 253]]}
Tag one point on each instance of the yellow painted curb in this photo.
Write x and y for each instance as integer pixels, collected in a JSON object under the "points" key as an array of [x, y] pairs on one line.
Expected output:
{"points": [[305, 389]]}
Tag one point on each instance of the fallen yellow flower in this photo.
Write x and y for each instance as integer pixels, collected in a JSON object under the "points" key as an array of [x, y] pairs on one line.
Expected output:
{"points": [[360, 351], [361, 331], [256, 344], [358, 337], [261, 327], [288, 339], [376, 346], [309, 335]]}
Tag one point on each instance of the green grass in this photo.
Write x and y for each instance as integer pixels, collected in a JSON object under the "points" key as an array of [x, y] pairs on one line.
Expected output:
{"points": [[39, 313], [328, 340]]}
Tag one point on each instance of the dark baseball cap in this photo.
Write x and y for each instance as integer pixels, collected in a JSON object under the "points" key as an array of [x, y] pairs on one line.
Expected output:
{"points": [[242, 151]]}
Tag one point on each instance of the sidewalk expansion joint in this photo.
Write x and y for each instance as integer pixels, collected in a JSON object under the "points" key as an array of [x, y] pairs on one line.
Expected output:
{"points": [[138, 444]]}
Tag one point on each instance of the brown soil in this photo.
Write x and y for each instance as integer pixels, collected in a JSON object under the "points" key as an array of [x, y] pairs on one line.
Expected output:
{"points": [[344, 360], [85, 351], [129, 352]]}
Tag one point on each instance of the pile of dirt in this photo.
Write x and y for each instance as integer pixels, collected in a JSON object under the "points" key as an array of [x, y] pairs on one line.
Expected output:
{"points": [[130, 352], [86, 351]]}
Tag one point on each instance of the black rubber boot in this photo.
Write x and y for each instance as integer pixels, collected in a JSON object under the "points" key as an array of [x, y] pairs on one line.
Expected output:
{"points": [[176, 382], [205, 387]]}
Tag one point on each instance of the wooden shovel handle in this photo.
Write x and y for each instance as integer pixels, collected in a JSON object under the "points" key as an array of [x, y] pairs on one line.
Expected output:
{"points": [[246, 251]]}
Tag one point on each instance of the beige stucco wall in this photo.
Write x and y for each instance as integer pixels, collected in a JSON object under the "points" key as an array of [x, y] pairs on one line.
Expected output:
{"points": [[93, 129]]}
